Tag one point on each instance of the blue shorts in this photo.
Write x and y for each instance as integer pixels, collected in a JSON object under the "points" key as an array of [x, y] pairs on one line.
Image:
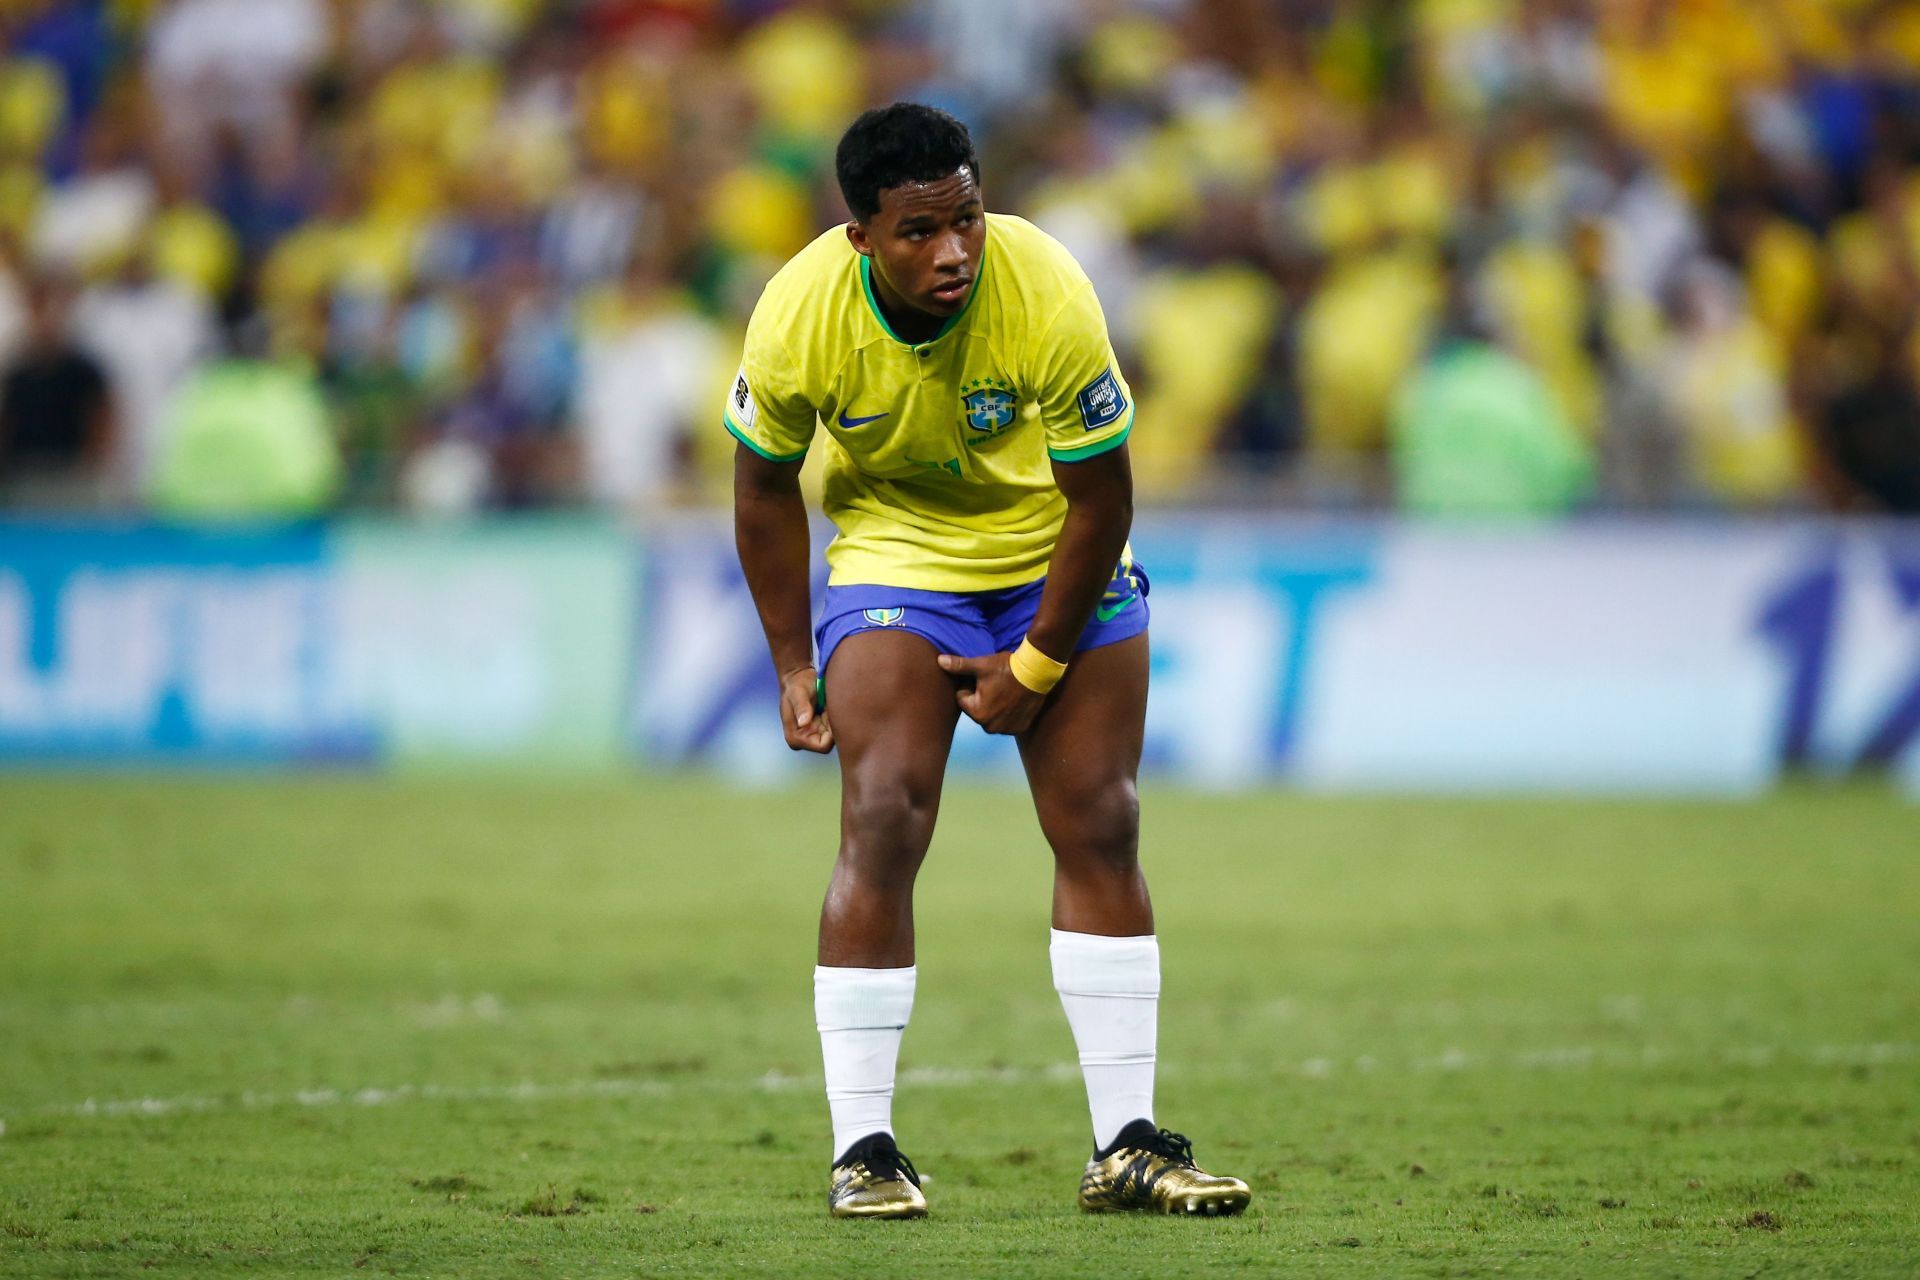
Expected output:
{"points": [[973, 624]]}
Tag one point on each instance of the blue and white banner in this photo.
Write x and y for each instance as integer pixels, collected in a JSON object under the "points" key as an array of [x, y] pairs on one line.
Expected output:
{"points": [[352, 643], [1628, 656], [1620, 656]]}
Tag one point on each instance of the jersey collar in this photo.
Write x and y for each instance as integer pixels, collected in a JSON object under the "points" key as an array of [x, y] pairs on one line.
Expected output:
{"points": [[873, 303]]}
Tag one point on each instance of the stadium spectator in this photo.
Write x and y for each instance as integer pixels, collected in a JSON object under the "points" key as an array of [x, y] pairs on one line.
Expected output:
{"points": [[646, 376], [375, 397], [248, 437], [1477, 432], [62, 53], [97, 214], [1269, 198], [1724, 389], [1871, 431], [149, 332], [56, 412], [511, 413], [232, 69]]}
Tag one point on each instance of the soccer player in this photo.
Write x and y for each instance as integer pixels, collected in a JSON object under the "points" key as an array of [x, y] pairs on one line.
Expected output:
{"points": [[975, 428]]}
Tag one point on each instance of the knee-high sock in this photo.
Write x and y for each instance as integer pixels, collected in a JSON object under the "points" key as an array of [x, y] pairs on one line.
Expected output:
{"points": [[861, 1014], [1110, 988]]}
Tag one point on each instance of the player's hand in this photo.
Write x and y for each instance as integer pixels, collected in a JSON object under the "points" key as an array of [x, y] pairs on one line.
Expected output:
{"points": [[998, 701], [807, 729]]}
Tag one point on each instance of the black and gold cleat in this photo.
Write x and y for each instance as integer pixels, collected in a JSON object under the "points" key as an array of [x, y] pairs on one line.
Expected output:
{"points": [[1152, 1170], [872, 1179]]}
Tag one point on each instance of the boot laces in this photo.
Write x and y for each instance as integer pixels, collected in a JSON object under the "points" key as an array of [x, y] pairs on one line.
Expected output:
{"points": [[886, 1162], [1174, 1146]]}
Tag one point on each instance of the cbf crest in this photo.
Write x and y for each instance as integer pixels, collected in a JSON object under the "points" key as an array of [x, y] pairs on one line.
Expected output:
{"points": [[989, 406]]}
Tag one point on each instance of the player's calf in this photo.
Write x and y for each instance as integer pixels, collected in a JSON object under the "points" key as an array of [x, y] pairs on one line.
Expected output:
{"points": [[885, 829]]}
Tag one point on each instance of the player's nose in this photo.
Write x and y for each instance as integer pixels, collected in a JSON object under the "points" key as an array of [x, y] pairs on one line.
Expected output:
{"points": [[950, 253]]}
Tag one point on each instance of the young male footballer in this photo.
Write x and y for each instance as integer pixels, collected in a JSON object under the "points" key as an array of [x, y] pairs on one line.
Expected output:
{"points": [[977, 471]]}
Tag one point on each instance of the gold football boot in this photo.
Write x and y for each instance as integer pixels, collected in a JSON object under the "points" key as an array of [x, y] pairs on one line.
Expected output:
{"points": [[1153, 1171], [873, 1180]]}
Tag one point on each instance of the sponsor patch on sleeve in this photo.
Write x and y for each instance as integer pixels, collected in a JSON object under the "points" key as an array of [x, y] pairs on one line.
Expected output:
{"points": [[741, 401], [1101, 402]]}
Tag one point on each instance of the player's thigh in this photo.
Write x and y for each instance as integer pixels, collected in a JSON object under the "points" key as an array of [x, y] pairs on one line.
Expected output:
{"points": [[893, 711], [1083, 753]]}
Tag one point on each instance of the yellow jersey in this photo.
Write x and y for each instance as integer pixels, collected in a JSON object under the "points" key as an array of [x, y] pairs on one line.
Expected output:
{"points": [[938, 470]]}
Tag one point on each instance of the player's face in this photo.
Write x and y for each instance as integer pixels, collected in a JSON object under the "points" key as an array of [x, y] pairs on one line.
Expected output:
{"points": [[926, 241]]}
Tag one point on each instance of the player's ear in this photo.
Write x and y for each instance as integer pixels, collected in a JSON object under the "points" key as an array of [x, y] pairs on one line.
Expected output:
{"points": [[857, 237]]}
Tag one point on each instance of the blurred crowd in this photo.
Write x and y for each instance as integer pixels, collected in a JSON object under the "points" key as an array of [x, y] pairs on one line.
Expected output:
{"points": [[1458, 256]]}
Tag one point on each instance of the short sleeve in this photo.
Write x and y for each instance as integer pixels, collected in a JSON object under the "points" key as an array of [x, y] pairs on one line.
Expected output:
{"points": [[1085, 403], [765, 410]]}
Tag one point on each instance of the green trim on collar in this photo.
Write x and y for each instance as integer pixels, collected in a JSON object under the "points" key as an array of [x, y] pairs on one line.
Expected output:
{"points": [[873, 302]]}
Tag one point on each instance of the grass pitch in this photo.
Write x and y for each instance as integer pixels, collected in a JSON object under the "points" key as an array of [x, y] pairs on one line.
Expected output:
{"points": [[438, 1028]]}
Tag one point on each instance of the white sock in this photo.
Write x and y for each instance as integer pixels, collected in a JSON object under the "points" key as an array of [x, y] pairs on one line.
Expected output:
{"points": [[861, 1014], [1110, 988]]}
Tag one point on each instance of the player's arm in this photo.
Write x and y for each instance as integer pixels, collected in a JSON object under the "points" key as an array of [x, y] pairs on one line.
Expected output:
{"points": [[1099, 494], [770, 531], [770, 417]]}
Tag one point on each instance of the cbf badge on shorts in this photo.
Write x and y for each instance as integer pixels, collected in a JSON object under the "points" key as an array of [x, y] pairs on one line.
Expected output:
{"points": [[885, 617]]}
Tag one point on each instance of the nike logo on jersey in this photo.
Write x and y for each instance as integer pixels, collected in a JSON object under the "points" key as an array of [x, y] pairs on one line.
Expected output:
{"points": [[845, 421]]}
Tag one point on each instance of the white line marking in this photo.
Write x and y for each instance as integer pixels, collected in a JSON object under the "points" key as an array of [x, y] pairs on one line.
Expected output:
{"points": [[1559, 1058], [527, 1091]]}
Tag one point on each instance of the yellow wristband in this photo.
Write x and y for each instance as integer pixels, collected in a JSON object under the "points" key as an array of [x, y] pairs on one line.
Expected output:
{"points": [[1035, 669]]}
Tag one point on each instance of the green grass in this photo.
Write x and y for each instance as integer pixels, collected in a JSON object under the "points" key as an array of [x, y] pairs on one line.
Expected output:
{"points": [[460, 1028]]}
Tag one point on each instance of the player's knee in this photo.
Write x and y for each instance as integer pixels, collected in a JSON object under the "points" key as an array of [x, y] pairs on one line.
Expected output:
{"points": [[1104, 827], [885, 830]]}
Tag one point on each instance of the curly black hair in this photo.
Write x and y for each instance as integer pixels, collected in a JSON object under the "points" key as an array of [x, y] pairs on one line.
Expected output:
{"points": [[904, 142]]}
